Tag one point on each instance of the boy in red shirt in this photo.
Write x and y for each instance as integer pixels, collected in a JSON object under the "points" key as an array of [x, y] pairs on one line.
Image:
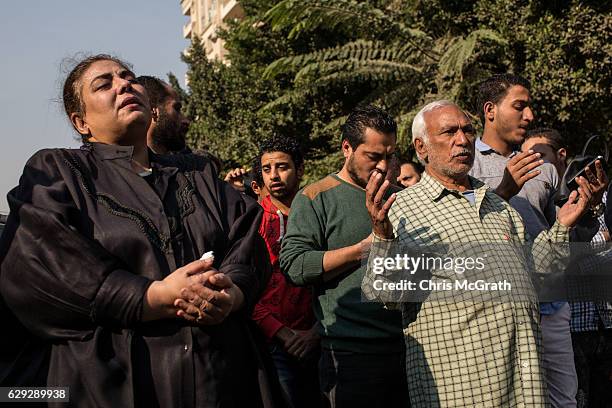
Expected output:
{"points": [[284, 312]]}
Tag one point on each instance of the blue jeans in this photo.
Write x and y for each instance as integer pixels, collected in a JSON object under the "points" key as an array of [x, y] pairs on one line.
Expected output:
{"points": [[299, 379]]}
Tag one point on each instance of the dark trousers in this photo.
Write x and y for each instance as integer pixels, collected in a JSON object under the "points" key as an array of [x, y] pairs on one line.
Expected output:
{"points": [[593, 357], [355, 380], [299, 379]]}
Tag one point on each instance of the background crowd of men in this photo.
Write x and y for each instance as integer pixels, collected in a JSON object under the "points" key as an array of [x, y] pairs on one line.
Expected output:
{"points": [[323, 336]]}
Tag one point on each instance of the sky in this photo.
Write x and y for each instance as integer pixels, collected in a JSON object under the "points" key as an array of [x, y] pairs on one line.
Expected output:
{"points": [[36, 36]]}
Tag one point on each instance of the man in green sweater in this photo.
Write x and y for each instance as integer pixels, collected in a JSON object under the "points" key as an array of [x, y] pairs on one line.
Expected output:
{"points": [[329, 226]]}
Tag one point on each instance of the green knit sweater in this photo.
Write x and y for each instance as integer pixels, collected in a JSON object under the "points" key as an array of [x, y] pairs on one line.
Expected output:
{"points": [[327, 215]]}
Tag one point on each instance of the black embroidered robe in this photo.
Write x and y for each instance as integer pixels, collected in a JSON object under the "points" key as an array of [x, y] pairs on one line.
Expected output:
{"points": [[85, 238]]}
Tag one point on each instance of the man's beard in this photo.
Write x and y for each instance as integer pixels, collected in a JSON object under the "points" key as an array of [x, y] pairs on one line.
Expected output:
{"points": [[288, 190], [508, 133], [352, 171], [169, 134], [454, 173], [279, 194]]}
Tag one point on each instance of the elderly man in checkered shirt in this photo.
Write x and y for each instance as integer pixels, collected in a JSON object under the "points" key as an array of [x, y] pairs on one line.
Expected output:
{"points": [[468, 350]]}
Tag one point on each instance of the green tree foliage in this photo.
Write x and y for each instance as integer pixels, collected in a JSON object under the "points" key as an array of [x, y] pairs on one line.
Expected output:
{"points": [[571, 62], [299, 66], [223, 104], [174, 83]]}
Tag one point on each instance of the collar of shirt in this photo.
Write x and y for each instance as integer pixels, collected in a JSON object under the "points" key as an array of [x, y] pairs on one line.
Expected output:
{"points": [[435, 190], [109, 151], [484, 148], [123, 155]]}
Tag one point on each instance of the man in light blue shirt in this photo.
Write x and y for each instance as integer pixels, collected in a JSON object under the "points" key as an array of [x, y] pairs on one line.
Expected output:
{"points": [[530, 186]]}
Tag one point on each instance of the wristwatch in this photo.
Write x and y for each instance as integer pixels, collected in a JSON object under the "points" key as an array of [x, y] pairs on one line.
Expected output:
{"points": [[598, 210]]}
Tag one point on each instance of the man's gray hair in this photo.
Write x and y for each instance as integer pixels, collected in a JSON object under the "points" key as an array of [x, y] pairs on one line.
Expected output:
{"points": [[419, 129]]}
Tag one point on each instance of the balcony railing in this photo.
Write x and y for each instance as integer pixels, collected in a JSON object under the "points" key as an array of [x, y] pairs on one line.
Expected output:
{"points": [[231, 9], [186, 7], [187, 30]]}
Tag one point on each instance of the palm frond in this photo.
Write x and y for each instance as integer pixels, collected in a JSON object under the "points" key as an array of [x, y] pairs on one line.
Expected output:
{"points": [[289, 97], [354, 51], [301, 16], [461, 50], [308, 15], [351, 70]]}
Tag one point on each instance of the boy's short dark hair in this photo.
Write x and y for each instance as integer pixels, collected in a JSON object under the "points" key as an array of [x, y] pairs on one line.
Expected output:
{"points": [[551, 135], [418, 167], [495, 88], [288, 145], [256, 171]]}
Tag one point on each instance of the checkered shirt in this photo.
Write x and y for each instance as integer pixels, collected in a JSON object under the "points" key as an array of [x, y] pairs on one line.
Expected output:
{"points": [[590, 316], [471, 352]]}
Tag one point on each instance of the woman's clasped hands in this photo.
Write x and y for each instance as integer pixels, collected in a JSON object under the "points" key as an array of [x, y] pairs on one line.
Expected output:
{"points": [[196, 292]]}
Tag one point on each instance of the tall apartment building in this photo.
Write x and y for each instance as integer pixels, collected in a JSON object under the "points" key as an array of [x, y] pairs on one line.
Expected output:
{"points": [[205, 18]]}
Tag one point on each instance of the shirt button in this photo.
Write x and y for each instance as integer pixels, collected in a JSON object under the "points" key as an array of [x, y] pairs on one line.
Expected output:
{"points": [[186, 348], [521, 322], [525, 364]]}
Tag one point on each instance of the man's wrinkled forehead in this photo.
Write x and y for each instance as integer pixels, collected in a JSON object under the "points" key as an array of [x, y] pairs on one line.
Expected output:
{"points": [[449, 115]]}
